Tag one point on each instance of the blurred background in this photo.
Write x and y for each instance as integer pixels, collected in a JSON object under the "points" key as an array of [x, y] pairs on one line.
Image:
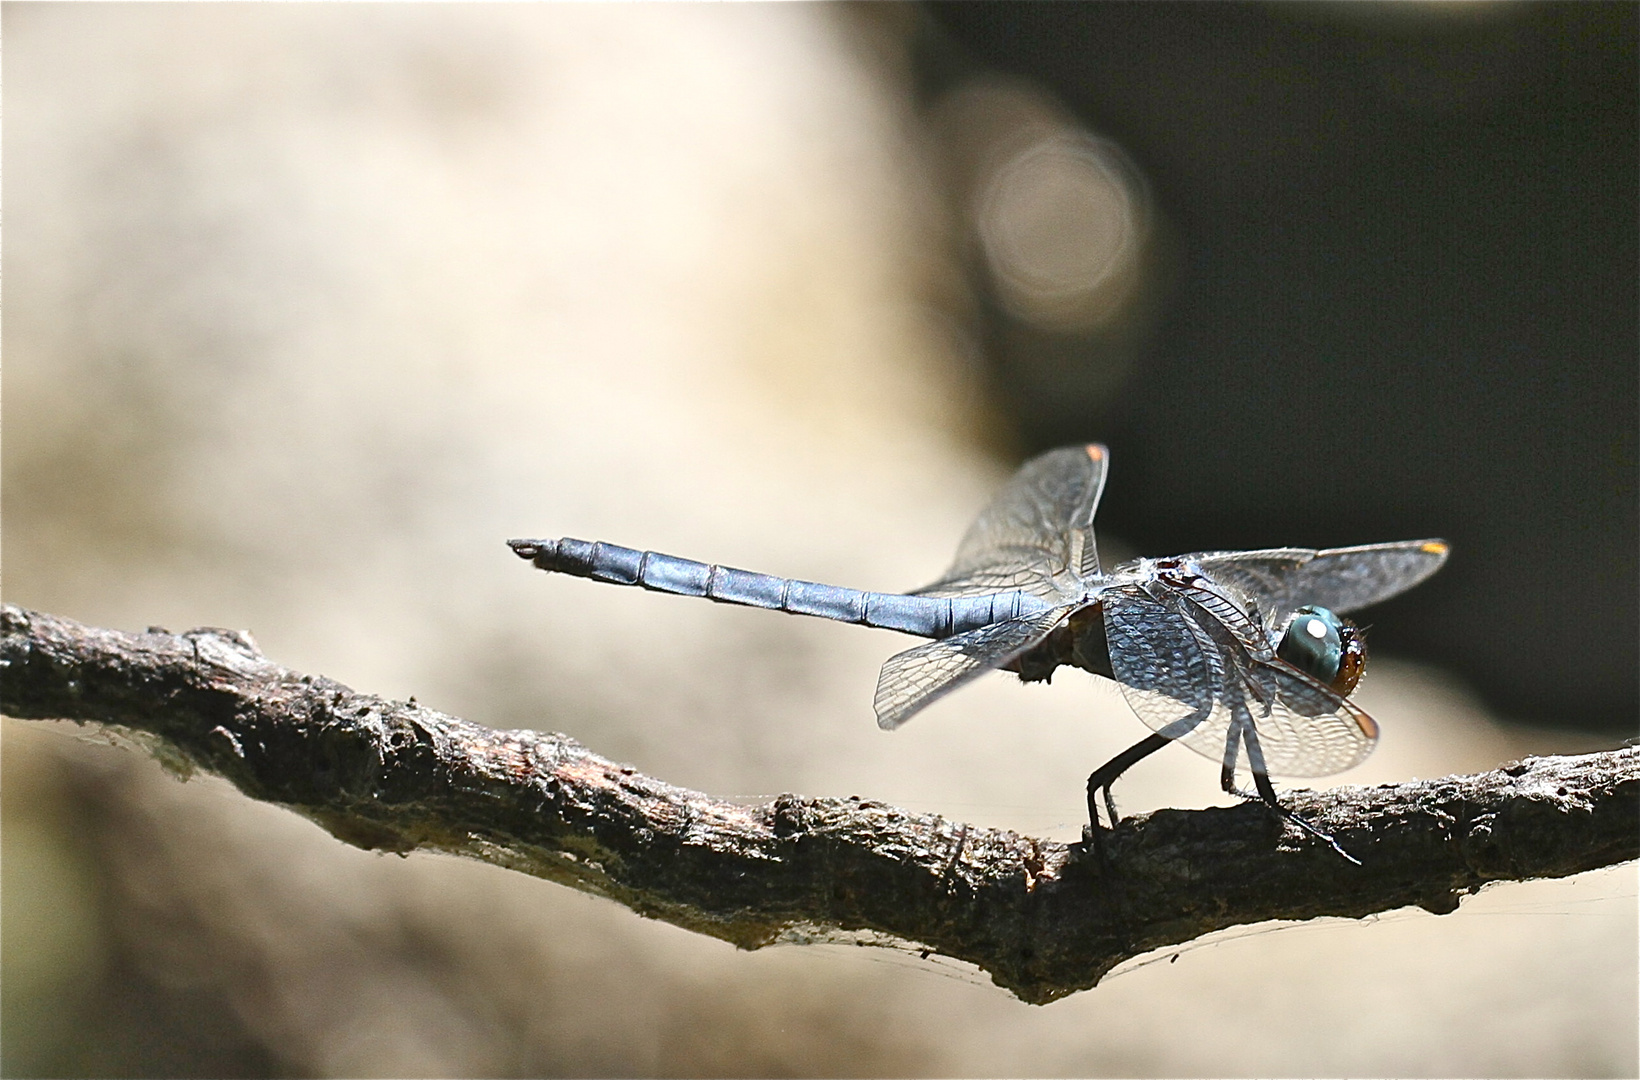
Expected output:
{"points": [[310, 307]]}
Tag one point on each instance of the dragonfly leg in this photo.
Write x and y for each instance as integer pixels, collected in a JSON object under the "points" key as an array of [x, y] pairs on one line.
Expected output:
{"points": [[1105, 775], [1266, 794]]}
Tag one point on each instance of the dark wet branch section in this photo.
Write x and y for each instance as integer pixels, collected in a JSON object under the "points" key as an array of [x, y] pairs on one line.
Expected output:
{"points": [[1038, 915]]}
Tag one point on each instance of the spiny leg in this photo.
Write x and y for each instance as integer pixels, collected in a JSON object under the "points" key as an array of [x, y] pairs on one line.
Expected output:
{"points": [[1266, 792], [1105, 775]]}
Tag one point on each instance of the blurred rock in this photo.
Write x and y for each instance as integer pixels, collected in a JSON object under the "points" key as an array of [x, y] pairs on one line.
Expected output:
{"points": [[310, 308]]}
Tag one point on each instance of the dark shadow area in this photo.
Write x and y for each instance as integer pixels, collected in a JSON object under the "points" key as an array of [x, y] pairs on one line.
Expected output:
{"points": [[1396, 297]]}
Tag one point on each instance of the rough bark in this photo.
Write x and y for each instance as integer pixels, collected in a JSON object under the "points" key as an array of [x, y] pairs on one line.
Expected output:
{"points": [[1045, 919]]}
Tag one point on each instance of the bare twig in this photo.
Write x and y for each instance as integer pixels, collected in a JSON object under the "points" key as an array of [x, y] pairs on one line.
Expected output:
{"points": [[1039, 916]]}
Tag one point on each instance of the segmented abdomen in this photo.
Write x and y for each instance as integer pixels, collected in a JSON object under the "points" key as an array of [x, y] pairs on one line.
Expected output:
{"points": [[925, 616]]}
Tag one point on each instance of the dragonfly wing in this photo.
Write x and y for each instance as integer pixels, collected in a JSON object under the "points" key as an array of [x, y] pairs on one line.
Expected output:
{"points": [[1261, 578], [912, 680], [1187, 682], [1343, 579], [1036, 532], [1307, 729], [1029, 569], [1171, 672]]}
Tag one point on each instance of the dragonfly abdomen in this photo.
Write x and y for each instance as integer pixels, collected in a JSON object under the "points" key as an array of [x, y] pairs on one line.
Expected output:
{"points": [[924, 616]]}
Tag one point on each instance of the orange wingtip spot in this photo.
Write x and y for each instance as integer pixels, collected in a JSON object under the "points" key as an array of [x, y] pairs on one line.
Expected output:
{"points": [[1095, 451], [1368, 726], [1434, 548]]}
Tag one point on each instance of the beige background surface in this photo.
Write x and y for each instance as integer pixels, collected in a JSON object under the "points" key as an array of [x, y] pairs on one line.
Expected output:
{"points": [[309, 308]]}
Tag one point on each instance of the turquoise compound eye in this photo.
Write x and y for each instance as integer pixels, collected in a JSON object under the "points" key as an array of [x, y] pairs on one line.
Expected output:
{"points": [[1322, 645]]}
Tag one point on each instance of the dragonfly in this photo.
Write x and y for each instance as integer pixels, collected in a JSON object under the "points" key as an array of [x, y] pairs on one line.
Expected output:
{"points": [[1243, 656]]}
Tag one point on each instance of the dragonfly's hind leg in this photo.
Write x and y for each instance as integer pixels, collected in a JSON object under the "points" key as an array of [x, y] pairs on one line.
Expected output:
{"points": [[1105, 775]]}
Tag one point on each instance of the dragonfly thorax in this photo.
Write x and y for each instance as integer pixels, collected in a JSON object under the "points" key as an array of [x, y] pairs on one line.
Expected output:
{"points": [[1079, 642]]}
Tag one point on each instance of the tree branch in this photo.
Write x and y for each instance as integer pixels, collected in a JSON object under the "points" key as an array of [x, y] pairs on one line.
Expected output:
{"points": [[1039, 916]]}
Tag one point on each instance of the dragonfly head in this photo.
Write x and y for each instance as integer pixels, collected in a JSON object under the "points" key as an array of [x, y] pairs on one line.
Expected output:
{"points": [[1322, 645]]}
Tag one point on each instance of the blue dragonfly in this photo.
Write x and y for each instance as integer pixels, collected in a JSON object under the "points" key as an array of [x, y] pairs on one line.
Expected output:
{"points": [[1227, 652]]}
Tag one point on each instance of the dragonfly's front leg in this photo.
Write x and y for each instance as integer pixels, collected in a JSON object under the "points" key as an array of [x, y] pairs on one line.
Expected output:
{"points": [[1266, 791]]}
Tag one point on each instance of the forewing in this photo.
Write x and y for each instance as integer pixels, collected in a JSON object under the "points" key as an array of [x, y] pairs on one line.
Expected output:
{"points": [[1261, 578], [912, 680], [1037, 532], [1343, 579], [1181, 681], [1309, 729], [1170, 672]]}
